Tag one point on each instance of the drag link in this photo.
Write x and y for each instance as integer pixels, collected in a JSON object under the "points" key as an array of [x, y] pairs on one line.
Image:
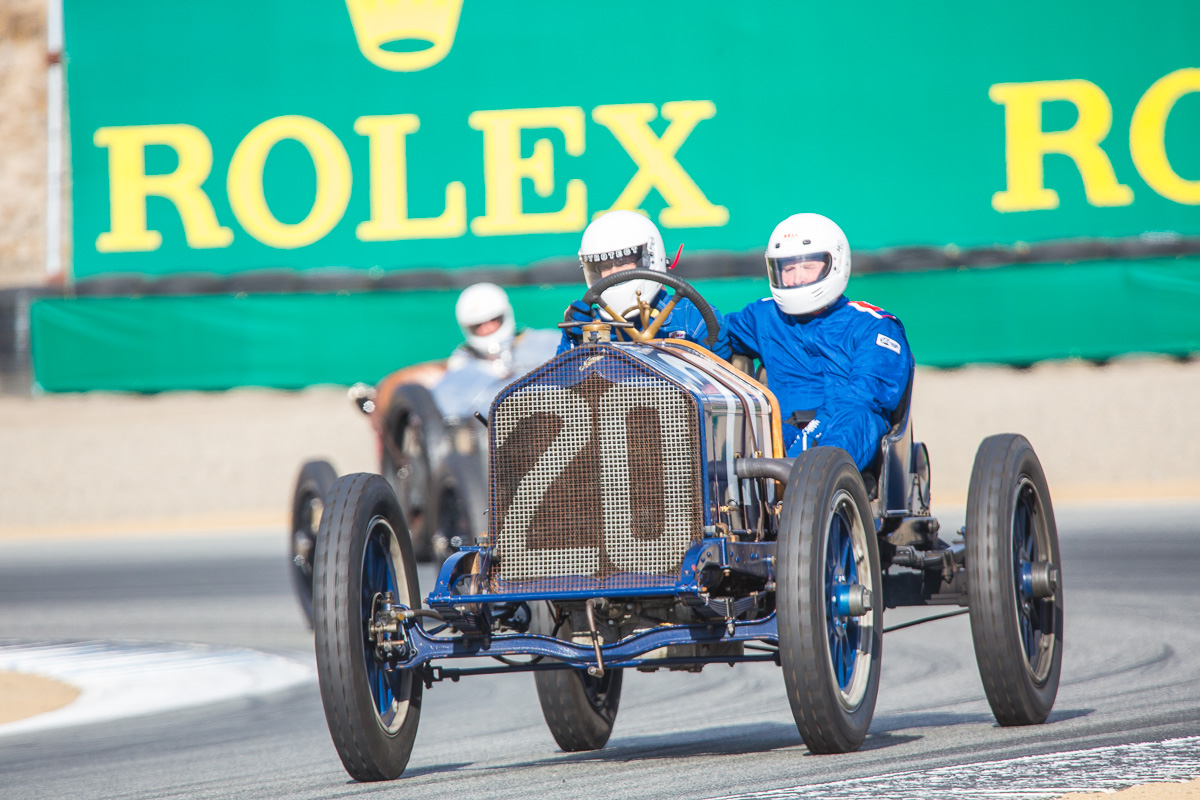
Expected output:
{"points": [[598, 670]]}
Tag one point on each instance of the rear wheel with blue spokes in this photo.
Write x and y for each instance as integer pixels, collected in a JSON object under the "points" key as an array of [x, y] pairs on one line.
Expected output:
{"points": [[1014, 581], [364, 561], [828, 592]]}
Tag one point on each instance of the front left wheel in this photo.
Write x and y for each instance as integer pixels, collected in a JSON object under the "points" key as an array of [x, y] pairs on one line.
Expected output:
{"points": [[363, 554], [829, 601]]}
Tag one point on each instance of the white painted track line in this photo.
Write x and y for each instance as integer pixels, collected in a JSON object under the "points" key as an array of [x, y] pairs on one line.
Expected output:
{"points": [[123, 680]]}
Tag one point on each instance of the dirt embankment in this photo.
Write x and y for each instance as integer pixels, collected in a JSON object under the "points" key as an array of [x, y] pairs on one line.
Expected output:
{"points": [[23, 135]]}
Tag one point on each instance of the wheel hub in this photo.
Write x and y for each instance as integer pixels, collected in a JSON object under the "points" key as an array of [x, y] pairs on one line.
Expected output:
{"points": [[852, 600], [387, 621], [1039, 580]]}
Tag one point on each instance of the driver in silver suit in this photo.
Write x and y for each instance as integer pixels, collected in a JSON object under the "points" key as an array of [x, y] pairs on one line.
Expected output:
{"points": [[492, 354]]}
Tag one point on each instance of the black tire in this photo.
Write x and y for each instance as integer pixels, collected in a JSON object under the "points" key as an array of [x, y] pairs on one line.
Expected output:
{"points": [[830, 658], [1018, 635], [308, 502], [414, 442], [580, 710], [364, 545], [461, 506]]}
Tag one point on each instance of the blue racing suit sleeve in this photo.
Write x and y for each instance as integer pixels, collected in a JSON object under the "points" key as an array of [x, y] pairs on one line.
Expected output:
{"points": [[564, 344], [580, 312], [856, 411], [685, 318], [742, 327]]}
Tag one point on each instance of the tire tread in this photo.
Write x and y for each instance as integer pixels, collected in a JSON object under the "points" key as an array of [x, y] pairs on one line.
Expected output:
{"points": [[367, 752], [823, 724], [1014, 697]]}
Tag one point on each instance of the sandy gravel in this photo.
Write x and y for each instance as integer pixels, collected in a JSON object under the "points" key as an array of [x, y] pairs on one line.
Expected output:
{"points": [[101, 462], [1151, 791], [190, 461], [24, 695]]}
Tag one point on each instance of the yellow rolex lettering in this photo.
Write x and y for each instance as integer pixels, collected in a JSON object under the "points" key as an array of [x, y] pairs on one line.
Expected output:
{"points": [[687, 207], [245, 184], [1147, 136], [1026, 144], [389, 187], [129, 186], [504, 169]]}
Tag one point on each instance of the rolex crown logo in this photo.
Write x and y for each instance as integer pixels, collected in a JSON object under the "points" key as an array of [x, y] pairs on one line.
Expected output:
{"points": [[404, 35]]}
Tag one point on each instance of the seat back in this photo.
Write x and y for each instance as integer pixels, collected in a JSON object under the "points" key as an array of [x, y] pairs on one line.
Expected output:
{"points": [[893, 467]]}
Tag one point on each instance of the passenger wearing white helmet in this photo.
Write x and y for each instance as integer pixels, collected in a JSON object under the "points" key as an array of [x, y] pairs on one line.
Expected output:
{"points": [[838, 367], [623, 240]]}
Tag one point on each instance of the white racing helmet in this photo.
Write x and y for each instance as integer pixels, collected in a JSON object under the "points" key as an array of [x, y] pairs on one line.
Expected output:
{"points": [[480, 303], [619, 238], [799, 284]]}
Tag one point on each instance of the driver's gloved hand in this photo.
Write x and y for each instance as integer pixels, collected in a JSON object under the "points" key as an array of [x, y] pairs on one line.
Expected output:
{"points": [[580, 312]]}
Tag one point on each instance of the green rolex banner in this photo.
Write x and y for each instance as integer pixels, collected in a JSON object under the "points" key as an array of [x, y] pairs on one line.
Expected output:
{"points": [[225, 137], [1015, 315]]}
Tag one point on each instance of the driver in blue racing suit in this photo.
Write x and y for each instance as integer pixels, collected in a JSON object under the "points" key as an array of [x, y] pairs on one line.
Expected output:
{"points": [[622, 240], [839, 367]]}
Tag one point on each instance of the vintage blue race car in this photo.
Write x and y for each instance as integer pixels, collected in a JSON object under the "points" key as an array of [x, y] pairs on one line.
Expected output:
{"points": [[642, 516]]}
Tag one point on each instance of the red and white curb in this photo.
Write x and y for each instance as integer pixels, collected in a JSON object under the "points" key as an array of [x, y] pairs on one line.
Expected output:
{"points": [[1101, 769], [119, 680]]}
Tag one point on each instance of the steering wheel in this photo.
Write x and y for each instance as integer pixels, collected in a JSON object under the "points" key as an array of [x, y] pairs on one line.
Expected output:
{"points": [[682, 289]]}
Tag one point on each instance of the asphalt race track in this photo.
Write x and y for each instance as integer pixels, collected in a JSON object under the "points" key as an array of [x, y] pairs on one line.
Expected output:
{"points": [[1131, 674]]}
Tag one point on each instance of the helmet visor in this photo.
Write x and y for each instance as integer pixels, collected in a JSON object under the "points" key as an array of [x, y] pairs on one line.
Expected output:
{"points": [[791, 272], [601, 265], [487, 327]]}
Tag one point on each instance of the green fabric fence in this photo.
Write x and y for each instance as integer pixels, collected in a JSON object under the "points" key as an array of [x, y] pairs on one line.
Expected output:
{"points": [[1016, 314]]}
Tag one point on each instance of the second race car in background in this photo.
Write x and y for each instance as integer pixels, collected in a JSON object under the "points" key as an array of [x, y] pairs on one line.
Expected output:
{"points": [[432, 450]]}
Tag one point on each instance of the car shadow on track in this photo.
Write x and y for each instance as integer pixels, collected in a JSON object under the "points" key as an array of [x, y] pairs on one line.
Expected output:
{"points": [[417, 772], [941, 719], [724, 740]]}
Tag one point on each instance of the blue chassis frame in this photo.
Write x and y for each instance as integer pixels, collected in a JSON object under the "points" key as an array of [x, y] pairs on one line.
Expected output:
{"points": [[751, 557]]}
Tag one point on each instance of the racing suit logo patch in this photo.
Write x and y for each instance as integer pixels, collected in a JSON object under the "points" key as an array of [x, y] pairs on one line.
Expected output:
{"points": [[890, 344]]}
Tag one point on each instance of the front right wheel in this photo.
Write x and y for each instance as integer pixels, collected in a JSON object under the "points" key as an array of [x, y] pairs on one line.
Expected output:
{"points": [[829, 601], [1014, 584]]}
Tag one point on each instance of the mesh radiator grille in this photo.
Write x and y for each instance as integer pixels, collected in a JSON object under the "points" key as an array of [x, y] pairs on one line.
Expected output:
{"points": [[595, 474]]}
